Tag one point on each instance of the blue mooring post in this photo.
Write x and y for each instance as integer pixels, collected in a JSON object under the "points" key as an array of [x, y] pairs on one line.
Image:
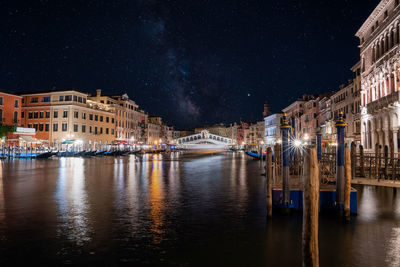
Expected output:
{"points": [[285, 127], [319, 144], [340, 125]]}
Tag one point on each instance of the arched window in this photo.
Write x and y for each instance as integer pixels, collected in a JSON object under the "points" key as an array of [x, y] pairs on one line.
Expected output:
{"points": [[391, 38], [373, 55]]}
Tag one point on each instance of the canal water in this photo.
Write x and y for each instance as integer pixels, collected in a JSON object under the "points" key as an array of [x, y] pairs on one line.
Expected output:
{"points": [[177, 210]]}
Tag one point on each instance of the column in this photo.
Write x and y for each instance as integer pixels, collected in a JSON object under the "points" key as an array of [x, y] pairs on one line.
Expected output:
{"points": [[390, 84], [386, 133], [340, 125], [395, 149], [285, 127], [395, 80]]}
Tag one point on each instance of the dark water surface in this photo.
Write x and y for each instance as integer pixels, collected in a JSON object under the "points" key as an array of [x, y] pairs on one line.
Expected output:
{"points": [[179, 211]]}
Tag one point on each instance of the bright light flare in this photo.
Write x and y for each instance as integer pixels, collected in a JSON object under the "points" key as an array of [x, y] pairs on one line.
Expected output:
{"points": [[297, 143]]}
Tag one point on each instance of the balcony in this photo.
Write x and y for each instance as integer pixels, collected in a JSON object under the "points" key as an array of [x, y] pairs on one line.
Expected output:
{"points": [[383, 102]]}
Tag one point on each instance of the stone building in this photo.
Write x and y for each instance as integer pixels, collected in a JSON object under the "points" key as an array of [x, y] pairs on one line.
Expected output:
{"points": [[272, 129], [380, 62], [130, 121], [67, 116]]}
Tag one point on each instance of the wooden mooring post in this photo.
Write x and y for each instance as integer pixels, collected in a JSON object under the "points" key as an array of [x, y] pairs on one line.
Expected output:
{"points": [[362, 163], [377, 153], [268, 175], [353, 159], [347, 187], [310, 208], [386, 162]]}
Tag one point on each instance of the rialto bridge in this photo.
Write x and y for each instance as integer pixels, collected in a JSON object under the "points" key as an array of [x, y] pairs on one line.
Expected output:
{"points": [[204, 139]]}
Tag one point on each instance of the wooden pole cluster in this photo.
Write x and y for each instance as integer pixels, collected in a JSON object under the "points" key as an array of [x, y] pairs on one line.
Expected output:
{"points": [[269, 174], [347, 188], [310, 208]]}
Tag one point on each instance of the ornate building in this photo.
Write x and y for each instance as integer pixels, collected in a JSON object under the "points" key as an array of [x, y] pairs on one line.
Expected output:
{"points": [[380, 63]]}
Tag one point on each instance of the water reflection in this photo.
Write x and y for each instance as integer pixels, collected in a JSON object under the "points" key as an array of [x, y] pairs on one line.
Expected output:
{"points": [[368, 204], [156, 201], [71, 198]]}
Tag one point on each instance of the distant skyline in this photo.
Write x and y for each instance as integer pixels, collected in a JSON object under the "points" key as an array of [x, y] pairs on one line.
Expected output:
{"points": [[191, 62]]}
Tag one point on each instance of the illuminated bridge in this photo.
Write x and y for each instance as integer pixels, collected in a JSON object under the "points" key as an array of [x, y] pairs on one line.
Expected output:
{"points": [[204, 140]]}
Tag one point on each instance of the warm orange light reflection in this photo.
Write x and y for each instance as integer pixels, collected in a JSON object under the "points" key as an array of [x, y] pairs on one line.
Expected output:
{"points": [[156, 202]]}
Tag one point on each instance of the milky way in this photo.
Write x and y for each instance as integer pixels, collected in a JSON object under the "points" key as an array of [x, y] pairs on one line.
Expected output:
{"points": [[191, 62]]}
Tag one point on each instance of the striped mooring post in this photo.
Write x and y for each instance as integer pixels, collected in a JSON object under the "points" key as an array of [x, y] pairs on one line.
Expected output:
{"points": [[285, 128], [318, 135], [340, 125]]}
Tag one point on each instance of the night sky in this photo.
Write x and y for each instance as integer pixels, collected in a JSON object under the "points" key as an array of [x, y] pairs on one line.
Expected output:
{"points": [[192, 62]]}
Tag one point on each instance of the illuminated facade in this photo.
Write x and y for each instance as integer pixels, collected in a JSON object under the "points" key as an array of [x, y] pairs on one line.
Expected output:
{"points": [[380, 62]]}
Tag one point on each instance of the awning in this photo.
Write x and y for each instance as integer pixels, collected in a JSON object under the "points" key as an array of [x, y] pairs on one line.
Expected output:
{"points": [[68, 141], [28, 139], [119, 142]]}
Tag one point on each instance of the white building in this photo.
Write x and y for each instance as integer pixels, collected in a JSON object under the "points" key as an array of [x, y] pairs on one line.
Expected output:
{"points": [[380, 63], [272, 129]]}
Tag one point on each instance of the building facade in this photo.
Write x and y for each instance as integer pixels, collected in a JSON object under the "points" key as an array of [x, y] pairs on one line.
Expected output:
{"points": [[380, 62], [272, 129]]}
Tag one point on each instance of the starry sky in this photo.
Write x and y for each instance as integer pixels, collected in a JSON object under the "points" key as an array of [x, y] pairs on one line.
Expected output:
{"points": [[192, 62]]}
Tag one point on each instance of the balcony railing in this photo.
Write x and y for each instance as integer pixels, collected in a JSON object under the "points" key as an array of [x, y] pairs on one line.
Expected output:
{"points": [[383, 102]]}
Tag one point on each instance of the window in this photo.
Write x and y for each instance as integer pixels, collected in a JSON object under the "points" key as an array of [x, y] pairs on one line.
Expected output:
{"points": [[15, 116], [22, 114], [55, 115], [96, 117], [36, 114], [75, 128], [46, 127], [29, 125], [30, 115], [101, 130], [41, 127], [101, 118], [47, 114], [386, 14], [34, 100], [55, 127], [76, 114], [80, 99], [68, 98], [75, 98], [84, 115], [45, 99], [90, 129], [64, 126], [65, 114], [91, 117], [1, 100], [107, 119], [95, 130], [16, 103], [83, 128], [41, 114], [106, 130], [112, 120], [112, 131]]}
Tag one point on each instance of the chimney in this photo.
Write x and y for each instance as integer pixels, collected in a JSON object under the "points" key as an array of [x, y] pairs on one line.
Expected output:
{"points": [[98, 92]]}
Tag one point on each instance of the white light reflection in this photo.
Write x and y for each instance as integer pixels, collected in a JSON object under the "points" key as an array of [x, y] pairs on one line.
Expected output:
{"points": [[71, 198], [368, 204]]}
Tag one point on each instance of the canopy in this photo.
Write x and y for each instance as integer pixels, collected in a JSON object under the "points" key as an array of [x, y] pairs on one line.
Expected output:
{"points": [[28, 139], [68, 141]]}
